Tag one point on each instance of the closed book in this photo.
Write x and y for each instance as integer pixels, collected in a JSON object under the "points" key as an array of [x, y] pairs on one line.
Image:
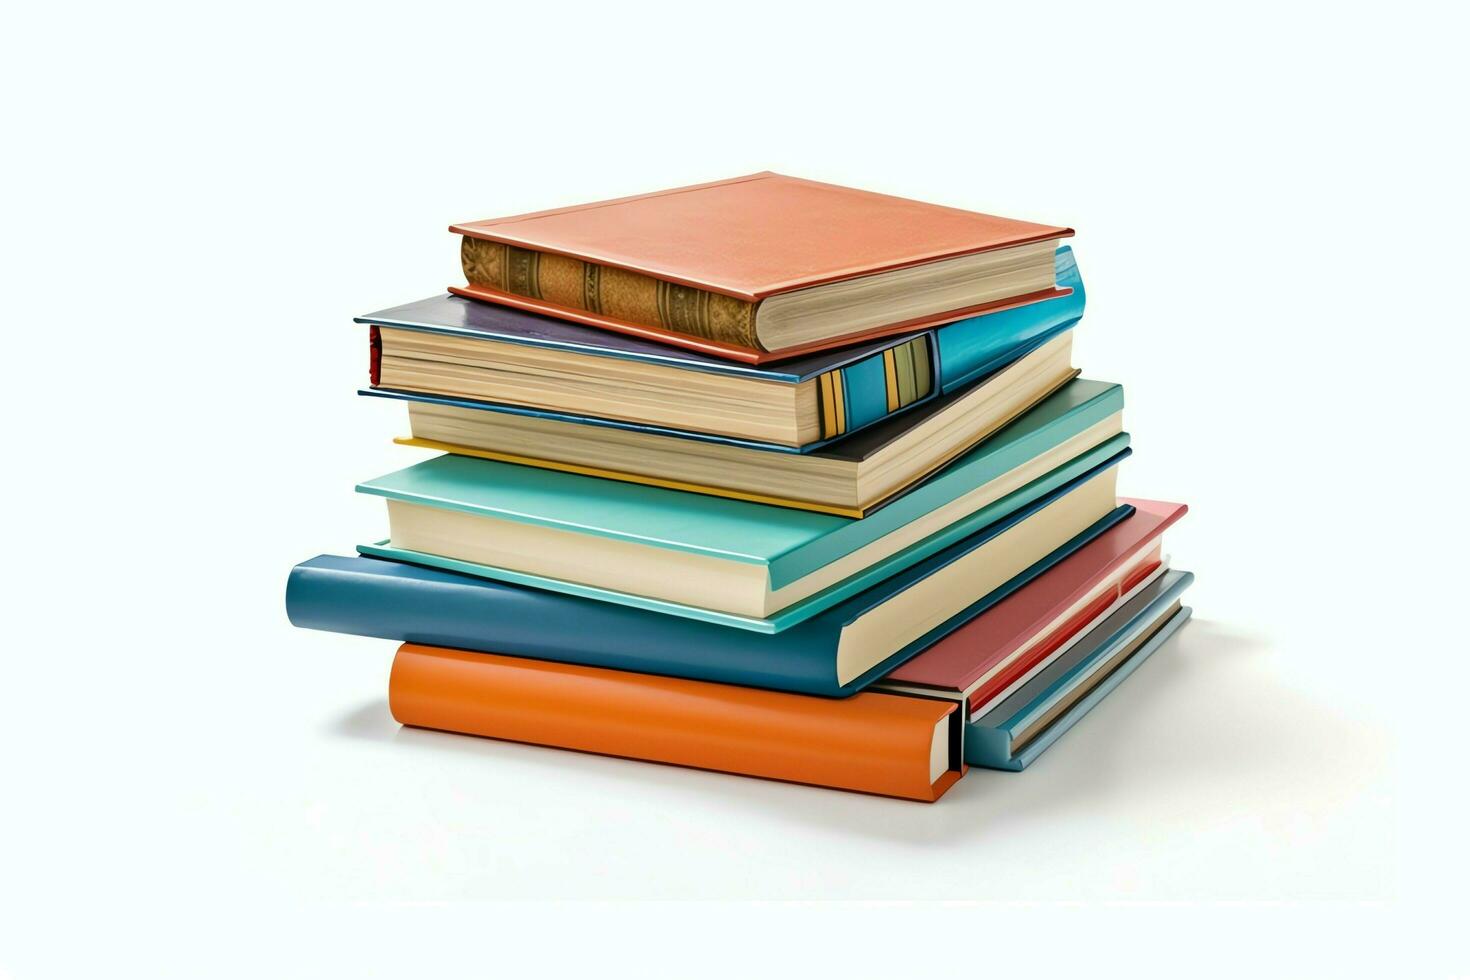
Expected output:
{"points": [[970, 349], [991, 653], [754, 566], [981, 392], [850, 477], [1011, 732], [460, 355], [759, 267], [835, 653], [872, 743]]}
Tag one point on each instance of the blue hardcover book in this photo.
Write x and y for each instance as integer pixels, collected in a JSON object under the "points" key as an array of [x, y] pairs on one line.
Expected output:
{"points": [[624, 382], [834, 653], [1018, 727], [754, 566], [971, 349]]}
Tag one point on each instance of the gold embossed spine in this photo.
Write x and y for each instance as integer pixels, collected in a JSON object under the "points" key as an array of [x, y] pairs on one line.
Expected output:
{"points": [[611, 292]]}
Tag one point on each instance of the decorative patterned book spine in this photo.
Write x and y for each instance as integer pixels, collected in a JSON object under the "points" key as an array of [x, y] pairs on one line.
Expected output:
{"points": [[610, 292], [853, 396]]}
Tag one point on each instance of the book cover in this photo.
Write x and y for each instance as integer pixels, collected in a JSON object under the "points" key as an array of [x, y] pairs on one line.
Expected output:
{"points": [[393, 600], [789, 543], [970, 349], [961, 660], [870, 743], [688, 266], [1020, 759], [1013, 731]]}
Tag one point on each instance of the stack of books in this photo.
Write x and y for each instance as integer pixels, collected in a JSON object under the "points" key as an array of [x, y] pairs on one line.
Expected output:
{"points": [[764, 476]]}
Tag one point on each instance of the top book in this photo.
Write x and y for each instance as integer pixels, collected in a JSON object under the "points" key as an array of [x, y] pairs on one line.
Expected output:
{"points": [[759, 268]]}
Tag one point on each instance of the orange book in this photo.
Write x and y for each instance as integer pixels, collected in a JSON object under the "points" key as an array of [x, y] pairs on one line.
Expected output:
{"points": [[760, 267], [891, 745]]}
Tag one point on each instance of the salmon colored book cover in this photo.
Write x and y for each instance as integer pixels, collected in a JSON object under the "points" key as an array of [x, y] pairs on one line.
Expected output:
{"points": [[690, 266]]}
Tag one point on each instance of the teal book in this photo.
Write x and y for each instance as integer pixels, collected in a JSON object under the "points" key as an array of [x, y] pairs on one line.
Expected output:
{"points": [[833, 654], [970, 349], [743, 564]]}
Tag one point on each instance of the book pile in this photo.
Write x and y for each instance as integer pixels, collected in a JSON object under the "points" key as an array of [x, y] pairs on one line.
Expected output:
{"points": [[764, 476]]}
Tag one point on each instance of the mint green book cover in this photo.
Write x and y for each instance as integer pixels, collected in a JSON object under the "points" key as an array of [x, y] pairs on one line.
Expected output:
{"points": [[1088, 464], [791, 543]]}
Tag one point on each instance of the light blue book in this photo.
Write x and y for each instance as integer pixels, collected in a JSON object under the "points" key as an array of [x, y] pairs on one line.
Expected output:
{"points": [[1012, 733], [733, 562]]}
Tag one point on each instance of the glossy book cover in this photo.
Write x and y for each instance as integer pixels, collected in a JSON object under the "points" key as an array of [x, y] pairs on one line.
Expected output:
{"points": [[1064, 599], [689, 266], [789, 543], [413, 603], [871, 743]]}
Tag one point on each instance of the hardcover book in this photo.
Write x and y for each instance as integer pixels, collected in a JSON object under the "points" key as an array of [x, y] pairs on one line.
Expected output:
{"points": [[460, 350], [752, 565], [835, 653], [871, 743], [1009, 733], [988, 376], [759, 267], [850, 477], [460, 353], [995, 652]]}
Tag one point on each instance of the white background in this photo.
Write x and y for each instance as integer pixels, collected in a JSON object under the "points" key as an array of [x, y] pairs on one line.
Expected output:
{"points": [[196, 203]]}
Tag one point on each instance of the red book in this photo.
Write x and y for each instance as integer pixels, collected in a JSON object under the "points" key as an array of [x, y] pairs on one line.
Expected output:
{"points": [[1004, 645]]}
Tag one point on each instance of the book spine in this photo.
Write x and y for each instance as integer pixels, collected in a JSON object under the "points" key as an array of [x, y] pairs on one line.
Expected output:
{"points": [[871, 743], [871, 389], [616, 293]]}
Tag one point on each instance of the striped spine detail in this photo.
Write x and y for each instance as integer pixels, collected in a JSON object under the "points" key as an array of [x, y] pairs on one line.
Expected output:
{"points": [[832, 404], [923, 367], [591, 287], [890, 379], [523, 272], [839, 397], [684, 309], [908, 377], [906, 373]]}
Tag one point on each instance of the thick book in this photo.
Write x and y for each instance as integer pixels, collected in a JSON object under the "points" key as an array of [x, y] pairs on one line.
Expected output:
{"points": [[458, 353], [1012, 731], [871, 743], [994, 652], [759, 267], [850, 475], [755, 566], [834, 654]]}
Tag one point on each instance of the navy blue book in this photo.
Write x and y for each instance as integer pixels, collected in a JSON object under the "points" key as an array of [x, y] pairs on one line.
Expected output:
{"points": [[835, 653], [456, 353]]}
